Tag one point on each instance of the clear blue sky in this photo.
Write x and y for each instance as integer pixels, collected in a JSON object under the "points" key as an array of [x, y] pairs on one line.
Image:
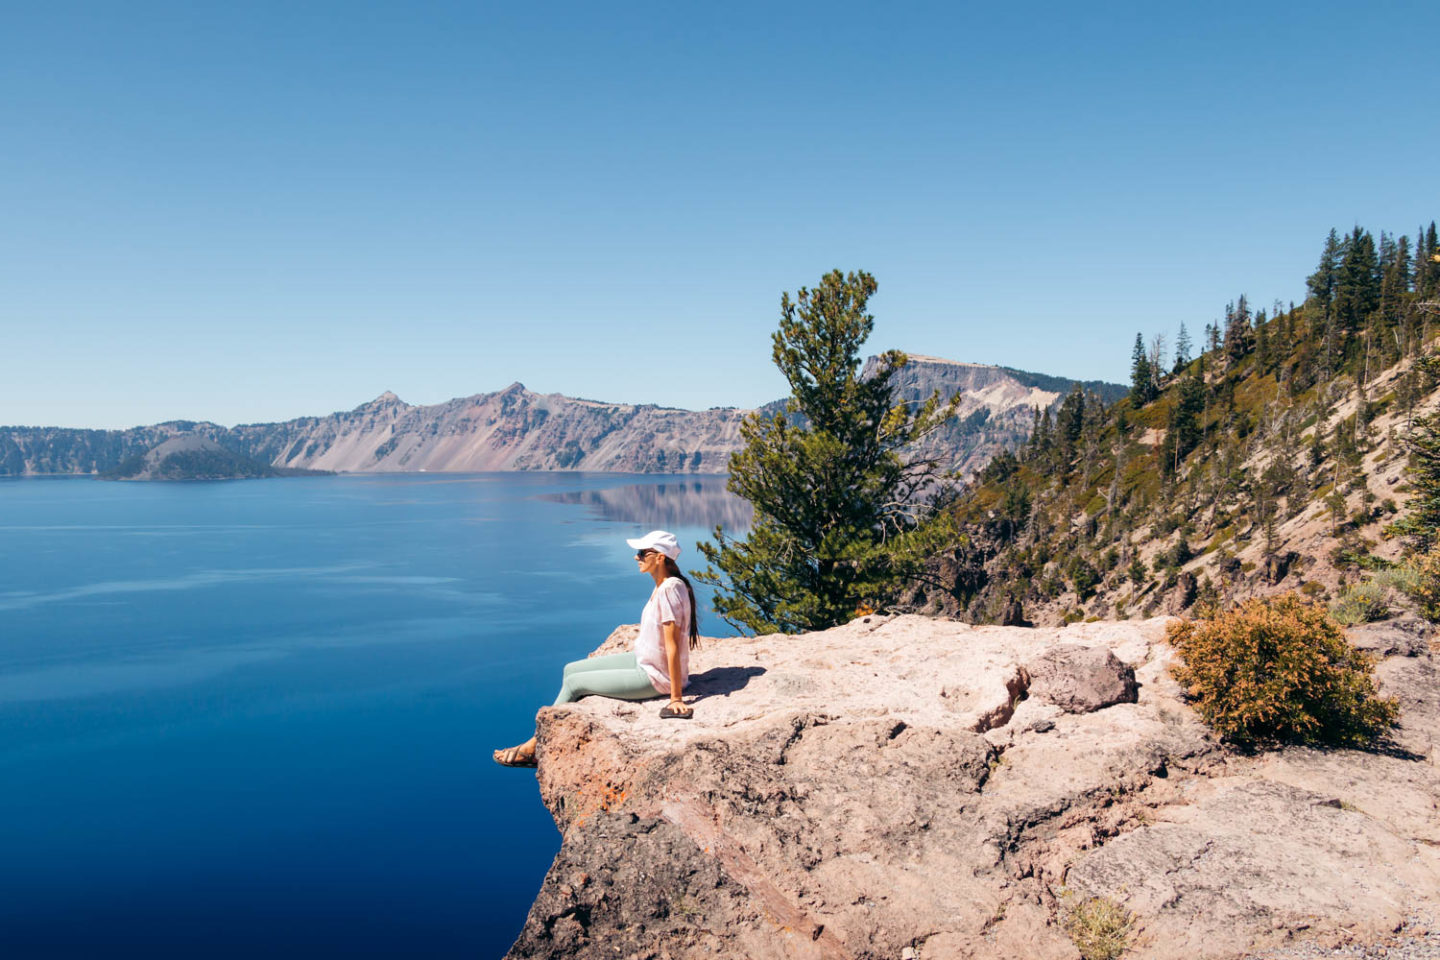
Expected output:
{"points": [[253, 211]]}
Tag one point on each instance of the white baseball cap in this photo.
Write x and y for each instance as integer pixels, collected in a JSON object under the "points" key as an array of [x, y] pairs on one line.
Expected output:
{"points": [[658, 540]]}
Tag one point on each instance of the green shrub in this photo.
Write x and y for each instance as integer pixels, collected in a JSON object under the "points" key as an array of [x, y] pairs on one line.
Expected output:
{"points": [[1277, 669], [1420, 580], [1404, 577], [1138, 572], [1360, 603], [1084, 577]]}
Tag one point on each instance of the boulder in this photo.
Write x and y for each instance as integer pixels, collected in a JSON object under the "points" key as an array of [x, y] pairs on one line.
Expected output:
{"points": [[1277, 566], [1080, 679], [1012, 614], [1185, 592], [1402, 636]]}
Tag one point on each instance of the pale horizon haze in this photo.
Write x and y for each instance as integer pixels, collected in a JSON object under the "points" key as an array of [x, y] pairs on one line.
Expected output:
{"points": [[252, 212]]}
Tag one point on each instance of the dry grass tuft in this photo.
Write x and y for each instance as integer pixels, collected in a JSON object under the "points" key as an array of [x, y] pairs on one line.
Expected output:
{"points": [[1099, 928]]}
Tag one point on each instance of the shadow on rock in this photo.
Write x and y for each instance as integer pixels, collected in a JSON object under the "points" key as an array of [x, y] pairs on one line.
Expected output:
{"points": [[719, 681]]}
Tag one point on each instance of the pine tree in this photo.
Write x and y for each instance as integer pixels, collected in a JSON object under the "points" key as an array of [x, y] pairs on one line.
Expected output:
{"points": [[1390, 333], [1237, 329], [1321, 302], [1357, 284], [1321, 283], [1182, 348], [1212, 337], [1183, 433], [1263, 352], [1142, 378], [1069, 422], [836, 505], [1422, 525], [1427, 269]]}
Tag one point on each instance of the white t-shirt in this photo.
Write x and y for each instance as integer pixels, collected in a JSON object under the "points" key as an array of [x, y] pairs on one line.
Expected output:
{"points": [[670, 603]]}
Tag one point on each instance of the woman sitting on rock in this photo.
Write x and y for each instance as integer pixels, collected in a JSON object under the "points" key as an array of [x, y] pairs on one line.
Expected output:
{"points": [[660, 662]]}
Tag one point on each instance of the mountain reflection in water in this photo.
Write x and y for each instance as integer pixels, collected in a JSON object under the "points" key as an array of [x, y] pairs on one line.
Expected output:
{"points": [[667, 505]]}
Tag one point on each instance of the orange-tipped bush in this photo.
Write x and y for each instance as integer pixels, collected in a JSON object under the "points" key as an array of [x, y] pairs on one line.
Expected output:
{"points": [[1279, 669], [1421, 580]]}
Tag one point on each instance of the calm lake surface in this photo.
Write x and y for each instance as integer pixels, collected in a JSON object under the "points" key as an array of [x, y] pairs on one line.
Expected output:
{"points": [[255, 717]]}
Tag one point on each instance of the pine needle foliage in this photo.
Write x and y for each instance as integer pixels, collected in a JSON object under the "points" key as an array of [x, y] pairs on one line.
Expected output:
{"points": [[838, 509], [1422, 525], [1279, 669]]}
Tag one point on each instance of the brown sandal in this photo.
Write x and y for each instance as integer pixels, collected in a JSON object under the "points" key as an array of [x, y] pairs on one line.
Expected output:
{"points": [[512, 757]]}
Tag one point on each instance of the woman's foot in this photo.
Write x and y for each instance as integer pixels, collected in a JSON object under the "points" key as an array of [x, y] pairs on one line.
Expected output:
{"points": [[522, 755]]}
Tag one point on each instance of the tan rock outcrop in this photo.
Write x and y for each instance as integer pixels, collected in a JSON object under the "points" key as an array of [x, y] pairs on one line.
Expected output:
{"points": [[890, 788]]}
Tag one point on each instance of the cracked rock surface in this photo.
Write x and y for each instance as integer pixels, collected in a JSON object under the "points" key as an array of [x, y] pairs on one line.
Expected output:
{"points": [[908, 787]]}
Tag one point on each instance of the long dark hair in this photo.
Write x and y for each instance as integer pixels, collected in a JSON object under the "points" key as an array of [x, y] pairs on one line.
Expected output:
{"points": [[673, 571]]}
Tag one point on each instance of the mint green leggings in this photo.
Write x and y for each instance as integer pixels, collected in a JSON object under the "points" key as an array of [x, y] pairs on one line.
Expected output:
{"points": [[616, 675]]}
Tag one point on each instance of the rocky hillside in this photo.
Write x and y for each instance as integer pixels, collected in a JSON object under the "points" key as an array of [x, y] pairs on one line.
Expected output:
{"points": [[923, 789], [513, 429], [517, 429], [997, 409], [1274, 460]]}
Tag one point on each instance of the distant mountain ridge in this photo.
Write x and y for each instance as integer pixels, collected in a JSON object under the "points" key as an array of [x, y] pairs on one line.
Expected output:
{"points": [[518, 429]]}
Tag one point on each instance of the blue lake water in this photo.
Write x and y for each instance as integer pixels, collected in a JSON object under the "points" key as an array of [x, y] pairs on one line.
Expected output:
{"points": [[256, 717]]}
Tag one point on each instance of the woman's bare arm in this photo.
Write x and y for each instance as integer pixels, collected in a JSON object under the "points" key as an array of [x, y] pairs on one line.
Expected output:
{"points": [[670, 630]]}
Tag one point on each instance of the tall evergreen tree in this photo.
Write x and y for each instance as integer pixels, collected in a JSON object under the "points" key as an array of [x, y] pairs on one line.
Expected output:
{"points": [[1357, 285], [1069, 422], [1427, 248], [1182, 348], [1142, 378], [1237, 329], [1320, 304], [1422, 525], [835, 502], [1183, 430], [1390, 334], [1321, 283], [1263, 352], [1045, 448]]}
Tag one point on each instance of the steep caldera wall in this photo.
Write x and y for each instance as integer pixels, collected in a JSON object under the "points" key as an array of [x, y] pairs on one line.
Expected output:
{"points": [[517, 429], [996, 408]]}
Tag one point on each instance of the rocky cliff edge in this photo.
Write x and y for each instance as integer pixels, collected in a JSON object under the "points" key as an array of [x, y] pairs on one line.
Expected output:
{"points": [[922, 789]]}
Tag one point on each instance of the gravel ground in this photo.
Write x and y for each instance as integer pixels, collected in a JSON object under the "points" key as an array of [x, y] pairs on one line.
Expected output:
{"points": [[1418, 939]]}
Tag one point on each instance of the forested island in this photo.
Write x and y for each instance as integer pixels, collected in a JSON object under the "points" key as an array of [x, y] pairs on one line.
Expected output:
{"points": [[196, 457]]}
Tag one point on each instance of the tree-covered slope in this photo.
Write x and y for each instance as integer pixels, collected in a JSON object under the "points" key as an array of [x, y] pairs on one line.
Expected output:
{"points": [[1273, 458]]}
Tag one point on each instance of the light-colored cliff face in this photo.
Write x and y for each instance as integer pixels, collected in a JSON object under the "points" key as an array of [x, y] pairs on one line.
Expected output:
{"points": [[515, 429], [906, 787], [996, 408]]}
